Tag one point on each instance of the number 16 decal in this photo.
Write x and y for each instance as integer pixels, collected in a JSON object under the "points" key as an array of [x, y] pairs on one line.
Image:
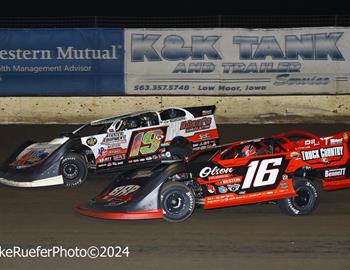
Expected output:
{"points": [[258, 169]]}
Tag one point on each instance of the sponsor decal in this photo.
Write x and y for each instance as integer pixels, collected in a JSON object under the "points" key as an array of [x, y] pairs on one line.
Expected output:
{"points": [[234, 187], [229, 181], [204, 136], [137, 160], [34, 159], [106, 159], [322, 153], [222, 189], [124, 190], [284, 185], [173, 119], [101, 151], [285, 176], [91, 141], [211, 189], [203, 145], [208, 171], [331, 141], [334, 172], [114, 138], [117, 203], [336, 141], [325, 160], [294, 154], [207, 112], [195, 125], [311, 142], [218, 177], [119, 157], [35, 156], [30, 158], [113, 151], [326, 139]]}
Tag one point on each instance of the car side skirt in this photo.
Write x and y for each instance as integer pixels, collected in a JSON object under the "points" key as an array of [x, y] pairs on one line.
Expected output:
{"points": [[148, 214], [334, 185], [51, 181], [232, 199]]}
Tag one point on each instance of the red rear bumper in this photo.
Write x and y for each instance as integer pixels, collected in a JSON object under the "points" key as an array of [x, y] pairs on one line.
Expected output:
{"points": [[149, 214]]}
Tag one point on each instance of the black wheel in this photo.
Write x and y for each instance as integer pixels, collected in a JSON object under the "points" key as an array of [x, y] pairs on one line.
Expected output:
{"points": [[305, 203], [74, 170], [177, 201], [180, 148]]}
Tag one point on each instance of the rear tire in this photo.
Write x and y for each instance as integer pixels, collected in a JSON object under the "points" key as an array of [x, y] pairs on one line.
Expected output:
{"points": [[74, 170], [177, 201], [305, 203]]}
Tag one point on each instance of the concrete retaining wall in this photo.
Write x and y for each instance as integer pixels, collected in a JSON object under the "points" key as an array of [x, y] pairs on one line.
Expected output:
{"points": [[257, 109]]}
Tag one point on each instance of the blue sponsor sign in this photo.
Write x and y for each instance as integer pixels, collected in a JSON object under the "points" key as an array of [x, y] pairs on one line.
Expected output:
{"points": [[61, 62]]}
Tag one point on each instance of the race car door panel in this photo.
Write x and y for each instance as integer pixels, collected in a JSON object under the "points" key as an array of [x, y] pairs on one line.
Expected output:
{"points": [[244, 180]]}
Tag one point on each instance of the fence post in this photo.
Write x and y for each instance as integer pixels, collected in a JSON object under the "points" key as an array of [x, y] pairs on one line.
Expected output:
{"points": [[95, 22], [219, 20], [336, 20]]}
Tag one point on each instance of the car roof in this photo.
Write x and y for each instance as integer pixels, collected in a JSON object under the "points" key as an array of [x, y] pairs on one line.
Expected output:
{"points": [[108, 120], [117, 117]]}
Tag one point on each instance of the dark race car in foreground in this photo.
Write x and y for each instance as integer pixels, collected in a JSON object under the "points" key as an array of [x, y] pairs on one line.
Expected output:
{"points": [[117, 143], [286, 169]]}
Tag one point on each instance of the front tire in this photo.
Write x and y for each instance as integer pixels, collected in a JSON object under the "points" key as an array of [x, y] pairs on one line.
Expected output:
{"points": [[74, 170], [177, 201], [305, 203]]}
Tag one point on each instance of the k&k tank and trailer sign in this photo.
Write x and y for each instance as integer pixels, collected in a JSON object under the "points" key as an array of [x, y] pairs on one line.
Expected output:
{"points": [[237, 61]]}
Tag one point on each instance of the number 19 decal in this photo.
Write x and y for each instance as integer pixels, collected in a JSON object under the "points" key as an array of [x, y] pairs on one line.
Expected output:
{"points": [[145, 143], [258, 169]]}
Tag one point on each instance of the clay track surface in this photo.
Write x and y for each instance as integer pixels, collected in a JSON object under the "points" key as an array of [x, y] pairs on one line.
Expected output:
{"points": [[246, 237]]}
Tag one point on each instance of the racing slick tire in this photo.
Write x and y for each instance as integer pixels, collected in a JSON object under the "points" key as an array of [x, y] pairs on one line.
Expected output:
{"points": [[177, 201], [73, 170], [180, 148], [305, 203]]}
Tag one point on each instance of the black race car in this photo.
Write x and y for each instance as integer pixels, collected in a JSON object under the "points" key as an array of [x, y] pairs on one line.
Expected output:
{"points": [[117, 143]]}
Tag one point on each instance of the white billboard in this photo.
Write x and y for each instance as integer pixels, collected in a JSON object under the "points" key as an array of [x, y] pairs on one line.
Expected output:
{"points": [[226, 61]]}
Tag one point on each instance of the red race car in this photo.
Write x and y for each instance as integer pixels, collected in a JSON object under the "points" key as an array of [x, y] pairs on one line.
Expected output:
{"points": [[286, 168]]}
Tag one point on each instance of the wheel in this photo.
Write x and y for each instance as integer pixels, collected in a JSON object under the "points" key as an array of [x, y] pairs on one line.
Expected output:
{"points": [[180, 148], [305, 203], [177, 201], [73, 169]]}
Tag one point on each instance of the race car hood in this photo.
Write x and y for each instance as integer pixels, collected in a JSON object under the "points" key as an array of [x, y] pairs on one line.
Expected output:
{"points": [[133, 195], [127, 194], [36, 153]]}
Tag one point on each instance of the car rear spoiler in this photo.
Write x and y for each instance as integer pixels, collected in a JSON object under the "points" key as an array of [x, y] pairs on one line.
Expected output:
{"points": [[201, 110]]}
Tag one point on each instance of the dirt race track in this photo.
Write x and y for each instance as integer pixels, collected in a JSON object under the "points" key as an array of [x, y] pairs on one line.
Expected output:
{"points": [[248, 237]]}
